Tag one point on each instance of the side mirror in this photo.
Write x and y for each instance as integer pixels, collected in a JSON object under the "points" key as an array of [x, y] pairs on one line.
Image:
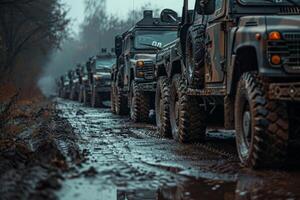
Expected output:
{"points": [[168, 16], [206, 7], [104, 50], [118, 45]]}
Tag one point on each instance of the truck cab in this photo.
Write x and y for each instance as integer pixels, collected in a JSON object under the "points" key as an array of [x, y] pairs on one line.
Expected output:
{"points": [[101, 67], [99, 84], [136, 56]]}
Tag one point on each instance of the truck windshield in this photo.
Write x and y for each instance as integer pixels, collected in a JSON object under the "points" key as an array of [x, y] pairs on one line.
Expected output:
{"points": [[271, 2], [105, 63], [153, 39]]}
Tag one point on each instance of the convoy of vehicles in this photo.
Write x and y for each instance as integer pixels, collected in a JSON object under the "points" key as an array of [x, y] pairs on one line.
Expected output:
{"points": [[134, 81], [228, 63]]}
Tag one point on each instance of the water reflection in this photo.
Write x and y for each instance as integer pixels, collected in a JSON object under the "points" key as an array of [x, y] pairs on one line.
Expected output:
{"points": [[246, 188]]}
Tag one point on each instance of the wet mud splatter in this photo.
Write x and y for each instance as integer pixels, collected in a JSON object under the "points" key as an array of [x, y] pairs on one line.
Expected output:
{"points": [[130, 161]]}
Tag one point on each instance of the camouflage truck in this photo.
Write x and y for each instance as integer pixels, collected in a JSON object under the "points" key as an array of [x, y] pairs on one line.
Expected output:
{"points": [[65, 86], [60, 86], [133, 79], [75, 88], [83, 81], [236, 62], [99, 82], [71, 77]]}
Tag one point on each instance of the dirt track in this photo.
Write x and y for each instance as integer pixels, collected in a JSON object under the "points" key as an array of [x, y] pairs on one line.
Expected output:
{"points": [[126, 160]]}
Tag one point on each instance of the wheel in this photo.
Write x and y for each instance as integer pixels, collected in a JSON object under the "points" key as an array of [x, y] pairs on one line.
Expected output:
{"points": [[73, 94], [139, 104], [195, 58], [86, 97], [112, 100], [262, 127], [162, 107], [80, 96], [121, 103], [187, 117], [95, 99]]}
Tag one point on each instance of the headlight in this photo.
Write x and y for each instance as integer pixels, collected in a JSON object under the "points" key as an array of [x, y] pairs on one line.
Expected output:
{"points": [[140, 63], [275, 59], [97, 78], [275, 35], [140, 74]]}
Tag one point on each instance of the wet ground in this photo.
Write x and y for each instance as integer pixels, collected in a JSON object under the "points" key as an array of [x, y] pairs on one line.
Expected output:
{"points": [[129, 161]]}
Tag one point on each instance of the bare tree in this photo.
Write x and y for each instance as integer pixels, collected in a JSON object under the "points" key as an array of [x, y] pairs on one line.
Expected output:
{"points": [[29, 23]]}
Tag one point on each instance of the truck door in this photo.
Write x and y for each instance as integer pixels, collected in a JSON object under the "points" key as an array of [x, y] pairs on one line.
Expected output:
{"points": [[126, 65], [215, 43]]}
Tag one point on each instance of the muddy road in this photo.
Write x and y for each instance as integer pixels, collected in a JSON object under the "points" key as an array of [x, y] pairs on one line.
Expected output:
{"points": [[130, 161]]}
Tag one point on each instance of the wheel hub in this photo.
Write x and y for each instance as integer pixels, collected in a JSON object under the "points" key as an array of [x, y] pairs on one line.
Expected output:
{"points": [[246, 136], [247, 124]]}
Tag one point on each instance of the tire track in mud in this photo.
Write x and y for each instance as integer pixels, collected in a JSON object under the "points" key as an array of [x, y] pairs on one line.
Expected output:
{"points": [[131, 159]]}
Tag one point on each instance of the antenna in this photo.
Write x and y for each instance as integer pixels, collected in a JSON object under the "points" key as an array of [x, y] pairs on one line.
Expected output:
{"points": [[133, 12]]}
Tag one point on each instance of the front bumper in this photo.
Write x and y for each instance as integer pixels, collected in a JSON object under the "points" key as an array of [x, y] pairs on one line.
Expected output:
{"points": [[285, 91], [103, 88], [147, 87]]}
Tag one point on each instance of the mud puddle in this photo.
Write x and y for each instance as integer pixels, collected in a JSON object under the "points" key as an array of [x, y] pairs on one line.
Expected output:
{"points": [[129, 161]]}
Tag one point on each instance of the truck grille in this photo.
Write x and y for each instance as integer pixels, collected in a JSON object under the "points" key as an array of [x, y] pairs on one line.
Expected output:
{"points": [[148, 71], [289, 10], [289, 50]]}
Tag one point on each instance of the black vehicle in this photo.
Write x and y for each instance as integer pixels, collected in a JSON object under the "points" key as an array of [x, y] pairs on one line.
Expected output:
{"points": [[77, 81], [133, 78], [236, 62], [99, 82], [60, 86], [65, 88]]}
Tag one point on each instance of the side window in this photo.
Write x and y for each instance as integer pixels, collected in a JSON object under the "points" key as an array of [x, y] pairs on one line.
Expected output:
{"points": [[218, 11], [192, 4], [127, 43], [219, 5]]}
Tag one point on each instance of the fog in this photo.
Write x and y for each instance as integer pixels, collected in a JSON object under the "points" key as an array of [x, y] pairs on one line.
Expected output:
{"points": [[93, 27]]}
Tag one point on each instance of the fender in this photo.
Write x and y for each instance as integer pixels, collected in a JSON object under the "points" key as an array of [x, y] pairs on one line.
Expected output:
{"points": [[246, 48]]}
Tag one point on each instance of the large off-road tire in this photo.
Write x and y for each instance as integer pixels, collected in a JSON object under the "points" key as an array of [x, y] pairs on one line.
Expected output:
{"points": [[187, 117], [66, 95], [113, 100], [162, 107], [195, 51], [139, 104], [121, 103], [80, 95], [73, 95], [262, 126], [86, 97], [95, 99]]}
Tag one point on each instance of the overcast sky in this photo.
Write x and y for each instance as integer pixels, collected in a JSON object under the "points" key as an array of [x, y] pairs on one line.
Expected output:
{"points": [[118, 7]]}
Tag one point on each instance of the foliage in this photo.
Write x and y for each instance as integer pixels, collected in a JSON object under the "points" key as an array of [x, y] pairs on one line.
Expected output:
{"points": [[29, 24]]}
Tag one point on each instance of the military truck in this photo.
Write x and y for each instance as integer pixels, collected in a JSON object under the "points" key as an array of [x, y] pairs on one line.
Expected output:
{"points": [[99, 83], [236, 62], [75, 88], [83, 81], [134, 80], [71, 78], [60, 86], [65, 86]]}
